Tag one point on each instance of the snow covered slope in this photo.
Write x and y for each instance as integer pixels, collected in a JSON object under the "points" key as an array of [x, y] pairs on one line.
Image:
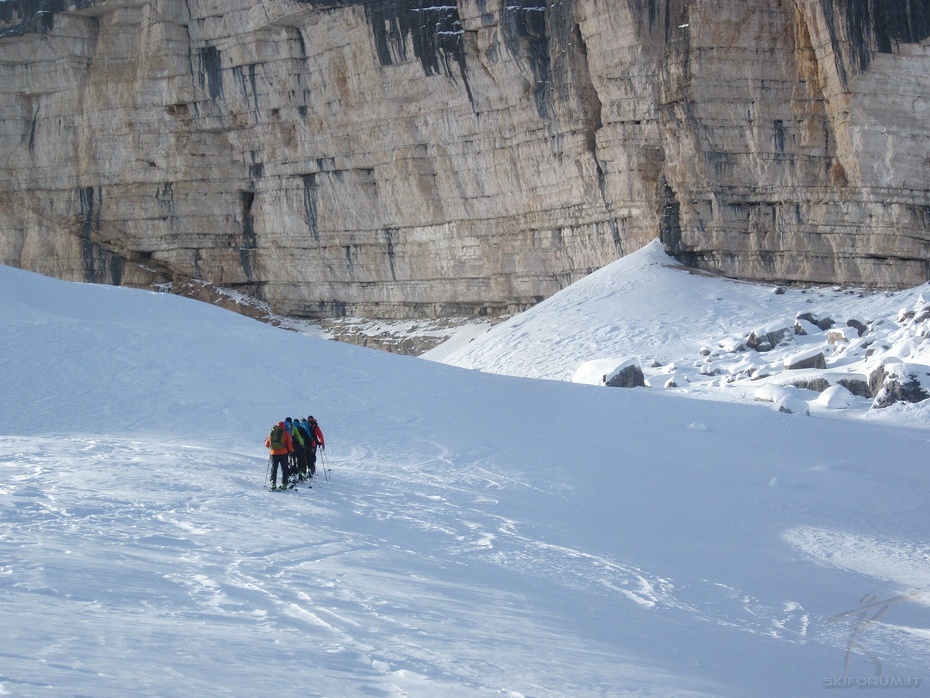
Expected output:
{"points": [[480, 534], [713, 338]]}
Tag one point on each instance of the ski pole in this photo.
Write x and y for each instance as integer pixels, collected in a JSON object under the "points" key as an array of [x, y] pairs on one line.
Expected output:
{"points": [[325, 466], [267, 470]]}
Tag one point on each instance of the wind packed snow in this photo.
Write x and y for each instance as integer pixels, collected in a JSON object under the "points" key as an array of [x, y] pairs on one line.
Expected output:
{"points": [[480, 534]]}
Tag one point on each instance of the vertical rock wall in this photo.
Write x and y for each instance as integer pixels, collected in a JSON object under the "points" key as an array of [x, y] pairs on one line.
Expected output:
{"points": [[809, 163], [397, 158]]}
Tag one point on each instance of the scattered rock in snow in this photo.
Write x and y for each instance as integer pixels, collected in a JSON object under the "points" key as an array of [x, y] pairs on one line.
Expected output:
{"points": [[841, 335], [811, 358], [818, 385], [857, 325], [770, 336], [903, 382], [876, 348], [856, 386], [626, 375], [877, 377], [792, 405], [836, 397], [823, 323]]}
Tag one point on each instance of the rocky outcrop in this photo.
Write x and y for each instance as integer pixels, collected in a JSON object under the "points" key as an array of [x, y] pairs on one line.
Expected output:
{"points": [[398, 158]]}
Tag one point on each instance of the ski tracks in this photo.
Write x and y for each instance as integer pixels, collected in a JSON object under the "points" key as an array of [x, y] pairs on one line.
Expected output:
{"points": [[467, 508], [438, 495], [168, 536], [347, 576]]}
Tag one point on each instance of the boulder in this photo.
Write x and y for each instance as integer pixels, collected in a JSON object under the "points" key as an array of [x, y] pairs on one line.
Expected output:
{"points": [[771, 393], [856, 386], [770, 336], [857, 325], [818, 385], [903, 382], [836, 397], [822, 323], [812, 358], [627, 375], [617, 373], [842, 335], [877, 379], [793, 405]]}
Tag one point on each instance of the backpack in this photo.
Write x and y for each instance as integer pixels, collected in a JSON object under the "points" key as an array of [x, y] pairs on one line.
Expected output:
{"points": [[277, 437], [305, 437], [312, 427]]}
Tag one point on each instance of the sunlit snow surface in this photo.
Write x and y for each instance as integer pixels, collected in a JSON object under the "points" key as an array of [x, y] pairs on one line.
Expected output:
{"points": [[691, 329], [480, 534]]}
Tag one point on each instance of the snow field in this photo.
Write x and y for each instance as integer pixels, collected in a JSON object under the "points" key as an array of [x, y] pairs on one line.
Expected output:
{"points": [[481, 534]]}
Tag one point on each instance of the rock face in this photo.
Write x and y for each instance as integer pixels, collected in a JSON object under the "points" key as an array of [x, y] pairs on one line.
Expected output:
{"points": [[402, 158]]}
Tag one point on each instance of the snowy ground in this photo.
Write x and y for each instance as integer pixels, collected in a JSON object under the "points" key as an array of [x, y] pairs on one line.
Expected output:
{"points": [[480, 535], [693, 334]]}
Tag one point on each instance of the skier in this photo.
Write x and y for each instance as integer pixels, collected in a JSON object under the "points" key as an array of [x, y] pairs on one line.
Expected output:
{"points": [[279, 441], [316, 439], [300, 432], [298, 456]]}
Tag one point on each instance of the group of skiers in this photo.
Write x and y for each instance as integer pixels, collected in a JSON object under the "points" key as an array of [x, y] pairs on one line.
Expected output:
{"points": [[293, 445]]}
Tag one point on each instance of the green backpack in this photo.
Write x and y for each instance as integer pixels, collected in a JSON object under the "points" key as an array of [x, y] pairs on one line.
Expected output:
{"points": [[277, 437]]}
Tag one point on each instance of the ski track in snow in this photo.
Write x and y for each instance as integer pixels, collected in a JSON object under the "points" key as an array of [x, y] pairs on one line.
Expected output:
{"points": [[281, 575], [150, 549], [473, 531], [906, 563]]}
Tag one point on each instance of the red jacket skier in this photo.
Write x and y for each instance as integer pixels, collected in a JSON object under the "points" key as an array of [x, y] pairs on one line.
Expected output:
{"points": [[316, 438]]}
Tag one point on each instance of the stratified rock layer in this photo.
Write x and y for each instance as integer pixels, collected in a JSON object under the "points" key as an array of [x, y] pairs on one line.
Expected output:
{"points": [[398, 158]]}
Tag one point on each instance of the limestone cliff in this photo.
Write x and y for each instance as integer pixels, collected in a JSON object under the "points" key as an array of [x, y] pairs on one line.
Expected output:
{"points": [[401, 158]]}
